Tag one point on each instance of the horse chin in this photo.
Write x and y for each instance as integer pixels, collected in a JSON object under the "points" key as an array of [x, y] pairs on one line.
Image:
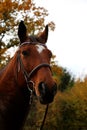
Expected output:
{"points": [[45, 101], [44, 98]]}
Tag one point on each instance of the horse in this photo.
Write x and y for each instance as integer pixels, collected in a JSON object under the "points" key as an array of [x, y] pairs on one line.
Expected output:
{"points": [[28, 72]]}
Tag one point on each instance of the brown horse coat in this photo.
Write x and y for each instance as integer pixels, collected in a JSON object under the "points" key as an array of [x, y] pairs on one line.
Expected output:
{"points": [[14, 93]]}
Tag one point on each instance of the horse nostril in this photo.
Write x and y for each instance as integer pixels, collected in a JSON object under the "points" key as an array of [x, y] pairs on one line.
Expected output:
{"points": [[42, 88]]}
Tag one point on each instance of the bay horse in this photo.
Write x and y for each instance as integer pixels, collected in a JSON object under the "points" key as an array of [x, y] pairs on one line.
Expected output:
{"points": [[27, 72]]}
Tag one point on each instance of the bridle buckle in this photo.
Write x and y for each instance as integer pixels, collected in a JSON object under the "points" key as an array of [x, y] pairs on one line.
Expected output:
{"points": [[30, 85]]}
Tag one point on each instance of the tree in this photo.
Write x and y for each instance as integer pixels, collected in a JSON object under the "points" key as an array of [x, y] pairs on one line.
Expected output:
{"points": [[67, 81], [11, 12]]}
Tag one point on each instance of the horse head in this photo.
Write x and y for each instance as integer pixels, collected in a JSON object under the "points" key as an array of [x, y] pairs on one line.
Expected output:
{"points": [[34, 64]]}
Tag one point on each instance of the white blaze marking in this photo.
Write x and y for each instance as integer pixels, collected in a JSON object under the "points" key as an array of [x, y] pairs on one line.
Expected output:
{"points": [[40, 48]]}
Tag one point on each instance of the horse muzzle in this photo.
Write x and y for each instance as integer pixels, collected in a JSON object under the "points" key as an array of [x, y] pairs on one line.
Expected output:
{"points": [[46, 94]]}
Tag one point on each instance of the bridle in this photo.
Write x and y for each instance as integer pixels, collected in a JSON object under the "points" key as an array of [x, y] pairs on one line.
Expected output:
{"points": [[28, 76]]}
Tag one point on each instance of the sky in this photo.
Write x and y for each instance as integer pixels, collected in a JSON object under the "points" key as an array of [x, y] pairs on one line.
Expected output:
{"points": [[69, 40]]}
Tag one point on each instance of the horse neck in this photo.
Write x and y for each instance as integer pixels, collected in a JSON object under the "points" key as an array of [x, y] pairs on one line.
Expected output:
{"points": [[10, 74]]}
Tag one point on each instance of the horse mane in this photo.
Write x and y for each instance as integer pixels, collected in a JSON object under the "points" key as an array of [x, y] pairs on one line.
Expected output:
{"points": [[33, 38], [2, 70]]}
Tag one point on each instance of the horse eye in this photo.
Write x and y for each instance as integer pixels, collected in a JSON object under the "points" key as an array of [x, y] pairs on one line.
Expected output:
{"points": [[25, 53]]}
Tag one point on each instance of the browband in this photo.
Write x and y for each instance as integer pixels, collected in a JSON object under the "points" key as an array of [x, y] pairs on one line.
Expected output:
{"points": [[33, 43]]}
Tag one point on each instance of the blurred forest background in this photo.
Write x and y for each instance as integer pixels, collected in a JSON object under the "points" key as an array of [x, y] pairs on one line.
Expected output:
{"points": [[69, 109]]}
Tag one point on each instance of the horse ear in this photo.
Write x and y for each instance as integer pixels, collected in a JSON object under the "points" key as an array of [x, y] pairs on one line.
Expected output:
{"points": [[44, 35], [22, 32]]}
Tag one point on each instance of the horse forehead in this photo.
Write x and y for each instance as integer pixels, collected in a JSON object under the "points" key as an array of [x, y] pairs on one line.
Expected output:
{"points": [[40, 48]]}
